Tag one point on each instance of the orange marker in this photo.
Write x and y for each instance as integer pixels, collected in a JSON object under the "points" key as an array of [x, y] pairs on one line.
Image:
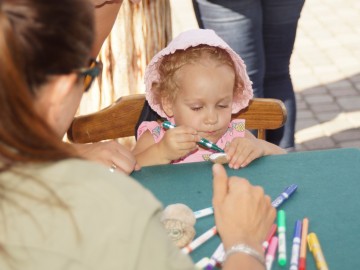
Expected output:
{"points": [[304, 232], [200, 240]]}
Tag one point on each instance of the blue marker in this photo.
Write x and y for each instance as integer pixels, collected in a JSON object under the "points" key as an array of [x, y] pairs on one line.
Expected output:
{"points": [[284, 196], [203, 142], [294, 262]]}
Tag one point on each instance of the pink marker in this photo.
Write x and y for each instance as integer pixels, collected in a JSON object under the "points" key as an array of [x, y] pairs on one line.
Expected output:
{"points": [[269, 236], [270, 255]]}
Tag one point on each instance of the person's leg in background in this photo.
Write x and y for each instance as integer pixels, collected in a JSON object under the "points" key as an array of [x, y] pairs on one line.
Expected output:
{"points": [[251, 27], [238, 23], [280, 19]]}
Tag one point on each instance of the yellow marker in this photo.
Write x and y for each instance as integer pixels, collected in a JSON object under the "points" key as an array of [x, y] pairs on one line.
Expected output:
{"points": [[315, 248]]}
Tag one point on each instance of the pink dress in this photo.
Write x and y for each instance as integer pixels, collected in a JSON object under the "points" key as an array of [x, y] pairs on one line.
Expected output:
{"points": [[236, 129]]}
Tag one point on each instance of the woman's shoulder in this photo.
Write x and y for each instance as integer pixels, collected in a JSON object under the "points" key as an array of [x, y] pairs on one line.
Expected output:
{"points": [[85, 184], [86, 176], [82, 206], [87, 187]]}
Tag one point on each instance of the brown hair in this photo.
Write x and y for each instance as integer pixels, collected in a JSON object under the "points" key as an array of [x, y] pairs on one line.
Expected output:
{"points": [[167, 86], [38, 38]]}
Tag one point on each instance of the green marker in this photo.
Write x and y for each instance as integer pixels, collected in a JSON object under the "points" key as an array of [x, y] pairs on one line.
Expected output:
{"points": [[282, 237], [167, 125], [204, 142]]}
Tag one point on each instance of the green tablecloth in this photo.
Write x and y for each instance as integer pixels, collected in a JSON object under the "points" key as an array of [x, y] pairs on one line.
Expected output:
{"points": [[328, 194]]}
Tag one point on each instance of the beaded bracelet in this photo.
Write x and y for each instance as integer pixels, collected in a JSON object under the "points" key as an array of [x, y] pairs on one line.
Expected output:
{"points": [[242, 248]]}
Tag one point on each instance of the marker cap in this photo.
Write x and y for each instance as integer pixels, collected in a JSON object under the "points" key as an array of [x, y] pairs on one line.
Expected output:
{"points": [[312, 241], [167, 125], [290, 189], [302, 264], [297, 231], [202, 263], [282, 260]]}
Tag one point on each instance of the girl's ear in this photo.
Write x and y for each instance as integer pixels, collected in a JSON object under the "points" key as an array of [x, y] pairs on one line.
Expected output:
{"points": [[167, 106]]}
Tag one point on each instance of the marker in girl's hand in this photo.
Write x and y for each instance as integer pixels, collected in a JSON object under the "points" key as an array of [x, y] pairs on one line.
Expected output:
{"points": [[167, 125], [203, 142]]}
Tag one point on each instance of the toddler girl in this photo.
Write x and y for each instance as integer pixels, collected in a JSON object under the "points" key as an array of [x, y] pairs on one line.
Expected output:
{"points": [[197, 82]]}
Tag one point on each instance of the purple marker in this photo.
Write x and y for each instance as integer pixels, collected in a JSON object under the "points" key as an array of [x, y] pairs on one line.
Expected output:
{"points": [[294, 262], [284, 196], [217, 257]]}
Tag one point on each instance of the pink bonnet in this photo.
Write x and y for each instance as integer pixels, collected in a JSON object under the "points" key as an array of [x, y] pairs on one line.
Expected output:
{"points": [[192, 38]]}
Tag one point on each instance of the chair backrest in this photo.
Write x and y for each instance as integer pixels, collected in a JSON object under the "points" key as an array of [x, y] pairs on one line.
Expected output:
{"points": [[119, 119]]}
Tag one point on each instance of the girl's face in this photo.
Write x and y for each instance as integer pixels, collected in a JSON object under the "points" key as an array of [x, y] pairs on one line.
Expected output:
{"points": [[204, 98]]}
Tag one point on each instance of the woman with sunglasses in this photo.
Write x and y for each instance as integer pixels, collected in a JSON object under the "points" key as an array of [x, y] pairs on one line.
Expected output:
{"points": [[110, 153], [61, 212]]}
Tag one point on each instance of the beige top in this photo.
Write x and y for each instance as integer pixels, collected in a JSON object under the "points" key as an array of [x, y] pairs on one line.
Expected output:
{"points": [[112, 221]]}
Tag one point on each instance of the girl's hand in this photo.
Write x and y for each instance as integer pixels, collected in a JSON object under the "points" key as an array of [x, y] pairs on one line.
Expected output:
{"points": [[179, 142], [242, 151]]}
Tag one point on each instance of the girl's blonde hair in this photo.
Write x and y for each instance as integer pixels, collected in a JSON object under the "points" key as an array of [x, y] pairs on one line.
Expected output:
{"points": [[167, 86]]}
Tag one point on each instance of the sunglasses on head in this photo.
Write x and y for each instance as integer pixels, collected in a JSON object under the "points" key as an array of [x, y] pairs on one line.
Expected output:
{"points": [[90, 73]]}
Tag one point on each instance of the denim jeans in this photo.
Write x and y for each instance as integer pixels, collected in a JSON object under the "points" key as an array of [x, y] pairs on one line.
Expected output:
{"points": [[263, 34]]}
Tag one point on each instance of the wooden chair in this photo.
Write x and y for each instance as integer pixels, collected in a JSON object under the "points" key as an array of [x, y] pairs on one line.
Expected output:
{"points": [[119, 119]]}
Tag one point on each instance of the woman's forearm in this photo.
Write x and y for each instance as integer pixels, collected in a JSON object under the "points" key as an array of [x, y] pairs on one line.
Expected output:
{"points": [[105, 16]]}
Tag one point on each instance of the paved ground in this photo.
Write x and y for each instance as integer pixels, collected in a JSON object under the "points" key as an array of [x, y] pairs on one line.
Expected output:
{"points": [[325, 68]]}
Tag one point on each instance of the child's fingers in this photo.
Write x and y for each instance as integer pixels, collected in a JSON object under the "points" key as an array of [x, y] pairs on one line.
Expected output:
{"points": [[187, 146], [237, 160], [235, 153], [186, 134], [246, 157], [243, 156], [247, 160]]}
